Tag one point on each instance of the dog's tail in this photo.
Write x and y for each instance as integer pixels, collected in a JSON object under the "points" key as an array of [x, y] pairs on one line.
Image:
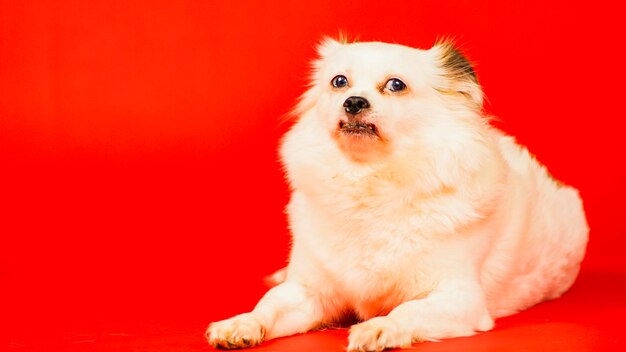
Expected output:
{"points": [[276, 278]]}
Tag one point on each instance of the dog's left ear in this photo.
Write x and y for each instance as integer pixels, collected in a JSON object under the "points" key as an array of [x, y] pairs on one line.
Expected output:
{"points": [[458, 73]]}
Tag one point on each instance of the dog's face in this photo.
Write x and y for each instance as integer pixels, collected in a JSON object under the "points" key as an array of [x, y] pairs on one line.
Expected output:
{"points": [[374, 97]]}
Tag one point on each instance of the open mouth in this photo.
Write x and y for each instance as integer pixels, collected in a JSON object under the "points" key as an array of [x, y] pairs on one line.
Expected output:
{"points": [[357, 128]]}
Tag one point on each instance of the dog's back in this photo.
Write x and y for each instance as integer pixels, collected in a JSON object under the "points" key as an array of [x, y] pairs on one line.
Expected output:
{"points": [[544, 234]]}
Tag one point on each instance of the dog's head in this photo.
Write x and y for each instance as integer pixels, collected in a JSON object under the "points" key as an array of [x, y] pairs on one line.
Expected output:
{"points": [[374, 98]]}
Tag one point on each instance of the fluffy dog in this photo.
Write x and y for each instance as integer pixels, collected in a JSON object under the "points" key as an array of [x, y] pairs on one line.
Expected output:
{"points": [[409, 212]]}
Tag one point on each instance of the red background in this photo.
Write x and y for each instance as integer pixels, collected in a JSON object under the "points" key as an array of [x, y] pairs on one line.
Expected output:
{"points": [[139, 183]]}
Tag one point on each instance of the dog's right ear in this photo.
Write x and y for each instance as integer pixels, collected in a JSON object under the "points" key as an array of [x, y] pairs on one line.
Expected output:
{"points": [[328, 46], [325, 48]]}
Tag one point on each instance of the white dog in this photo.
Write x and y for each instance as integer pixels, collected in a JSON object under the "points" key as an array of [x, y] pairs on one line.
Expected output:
{"points": [[409, 212]]}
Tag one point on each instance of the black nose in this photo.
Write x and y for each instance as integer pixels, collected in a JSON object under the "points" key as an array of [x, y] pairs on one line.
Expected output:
{"points": [[355, 105]]}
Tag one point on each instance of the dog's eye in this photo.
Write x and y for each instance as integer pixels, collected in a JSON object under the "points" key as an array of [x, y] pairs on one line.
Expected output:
{"points": [[339, 81], [395, 85]]}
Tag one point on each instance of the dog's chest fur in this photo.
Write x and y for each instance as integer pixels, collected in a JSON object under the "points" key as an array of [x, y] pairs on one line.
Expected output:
{"points": [[365, 236]]}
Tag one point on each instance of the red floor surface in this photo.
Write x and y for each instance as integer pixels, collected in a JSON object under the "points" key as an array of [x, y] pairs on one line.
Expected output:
{"points": [[140, 194], [588, 318]]}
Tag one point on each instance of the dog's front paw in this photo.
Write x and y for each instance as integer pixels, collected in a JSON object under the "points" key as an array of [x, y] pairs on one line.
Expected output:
{"points": [[238, 332], [378, 334]]}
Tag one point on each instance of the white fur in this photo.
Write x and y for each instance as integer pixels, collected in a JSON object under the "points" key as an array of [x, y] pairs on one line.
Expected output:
{"points": [[430, 231]]}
